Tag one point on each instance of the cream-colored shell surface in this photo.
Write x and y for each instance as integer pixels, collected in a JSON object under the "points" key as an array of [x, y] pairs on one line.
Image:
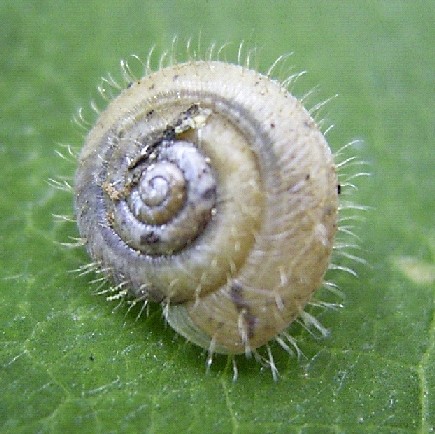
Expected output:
{"points": [[207, 187]]}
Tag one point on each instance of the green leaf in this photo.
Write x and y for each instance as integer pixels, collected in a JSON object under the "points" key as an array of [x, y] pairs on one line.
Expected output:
{"points": [[71, 362]]}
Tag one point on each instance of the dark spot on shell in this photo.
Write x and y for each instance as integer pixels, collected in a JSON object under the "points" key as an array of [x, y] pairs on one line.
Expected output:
{"points": [[236, 293], [307, 177], [192, 111], [329, 211], [149, 238], [168, 134], [209, 193]]}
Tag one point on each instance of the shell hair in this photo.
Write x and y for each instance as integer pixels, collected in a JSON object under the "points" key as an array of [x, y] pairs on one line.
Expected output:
{"points": [[207, 187]]}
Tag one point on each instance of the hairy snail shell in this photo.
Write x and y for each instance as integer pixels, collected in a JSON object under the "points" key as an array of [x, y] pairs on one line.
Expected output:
{"points": [[207, 186]]}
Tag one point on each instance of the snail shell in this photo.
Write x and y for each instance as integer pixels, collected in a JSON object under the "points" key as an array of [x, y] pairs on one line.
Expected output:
{"points": [[207, 186]]}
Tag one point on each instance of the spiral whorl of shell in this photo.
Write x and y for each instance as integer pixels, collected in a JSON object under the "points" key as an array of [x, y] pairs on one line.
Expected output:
{"points": [[208, 187]]}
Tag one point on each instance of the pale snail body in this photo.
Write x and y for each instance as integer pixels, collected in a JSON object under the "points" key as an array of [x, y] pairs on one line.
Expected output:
{"points": [[231, 191]]}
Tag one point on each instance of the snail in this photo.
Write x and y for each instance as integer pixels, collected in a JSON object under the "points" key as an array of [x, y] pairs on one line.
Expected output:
{"points": [[207, 187]]}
